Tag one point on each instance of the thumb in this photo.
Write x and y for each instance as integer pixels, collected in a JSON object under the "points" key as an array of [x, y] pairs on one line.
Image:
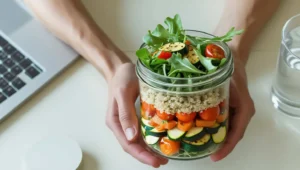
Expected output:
{"points": [[127, 114]]}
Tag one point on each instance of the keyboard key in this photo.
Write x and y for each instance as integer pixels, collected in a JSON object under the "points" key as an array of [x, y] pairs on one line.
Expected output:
{"points": [[17, 56], [9, 91], [16, 70], [9, 63], [32, 72], [9, 49], [3, 55], [18, 83], [26, 63], [38, 68], [2, 98], [3, 42], [9, 76], [3, 83], [3, 69]]}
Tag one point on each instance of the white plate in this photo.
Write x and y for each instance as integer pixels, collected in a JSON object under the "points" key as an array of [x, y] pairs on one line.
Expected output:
{"points": [[54, 153]]}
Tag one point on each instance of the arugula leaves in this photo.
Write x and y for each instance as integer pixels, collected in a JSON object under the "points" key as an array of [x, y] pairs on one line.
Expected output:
{"points": [[144, 55], [180, 64], [206, 62], [196, 41], [223, 61], [157, 61], [175, 25], [160, 35], [225, 38]]}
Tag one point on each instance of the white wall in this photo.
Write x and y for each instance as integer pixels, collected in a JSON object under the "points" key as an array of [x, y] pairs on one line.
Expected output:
{"points": [[127, 21]]}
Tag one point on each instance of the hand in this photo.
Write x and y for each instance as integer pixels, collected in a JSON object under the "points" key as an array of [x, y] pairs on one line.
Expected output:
{"points": [[121, 116], [243, 110]]}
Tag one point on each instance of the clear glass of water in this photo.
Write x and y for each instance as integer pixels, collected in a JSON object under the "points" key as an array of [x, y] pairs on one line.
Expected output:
{"points": [[286, 85]]}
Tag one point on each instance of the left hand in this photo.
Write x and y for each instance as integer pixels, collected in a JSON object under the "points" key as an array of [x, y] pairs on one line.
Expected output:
{"points": [[243, 110], [121, 116]]}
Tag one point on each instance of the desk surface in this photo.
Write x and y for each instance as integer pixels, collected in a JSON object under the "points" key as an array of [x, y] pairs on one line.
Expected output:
{"points": [[74, 104]]}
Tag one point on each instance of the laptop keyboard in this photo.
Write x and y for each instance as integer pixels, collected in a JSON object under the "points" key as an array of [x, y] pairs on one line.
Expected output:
{"points": [[12, 64]]}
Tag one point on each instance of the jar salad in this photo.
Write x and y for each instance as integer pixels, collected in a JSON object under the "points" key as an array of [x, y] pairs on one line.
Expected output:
{"points": [[184, 80]]}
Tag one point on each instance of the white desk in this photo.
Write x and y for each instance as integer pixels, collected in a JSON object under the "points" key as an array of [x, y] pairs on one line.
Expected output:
{"points": [[74, 104]]}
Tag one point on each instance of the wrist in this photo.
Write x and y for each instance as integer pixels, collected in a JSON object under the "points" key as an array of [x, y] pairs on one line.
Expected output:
{"points": [[239, 53], [108, 61]]}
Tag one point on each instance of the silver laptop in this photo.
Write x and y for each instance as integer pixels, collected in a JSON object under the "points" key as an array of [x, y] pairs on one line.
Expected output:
{"points": [[29, 55]]}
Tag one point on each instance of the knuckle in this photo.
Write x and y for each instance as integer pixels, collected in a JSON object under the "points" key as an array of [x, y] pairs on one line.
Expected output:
{"points": [[124, 116]]}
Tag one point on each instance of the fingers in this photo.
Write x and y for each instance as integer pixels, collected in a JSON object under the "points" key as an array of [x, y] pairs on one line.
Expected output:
{"points": [[127, 115], [239, 123], [135, 149], [162, 160]]}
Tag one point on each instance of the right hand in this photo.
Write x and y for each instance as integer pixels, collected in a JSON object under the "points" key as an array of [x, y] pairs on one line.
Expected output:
{"points": [[121, 116], [242, 110]]}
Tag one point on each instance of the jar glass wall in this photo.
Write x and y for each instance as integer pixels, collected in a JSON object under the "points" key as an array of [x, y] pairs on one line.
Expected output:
{"points": [[185, 118]]}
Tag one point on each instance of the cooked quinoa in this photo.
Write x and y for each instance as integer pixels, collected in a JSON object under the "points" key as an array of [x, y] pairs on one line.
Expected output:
{"points": [[172, 103]]}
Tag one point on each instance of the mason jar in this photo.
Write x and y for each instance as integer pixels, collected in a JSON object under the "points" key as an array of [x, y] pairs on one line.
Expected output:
{"points": [[192, 111]]}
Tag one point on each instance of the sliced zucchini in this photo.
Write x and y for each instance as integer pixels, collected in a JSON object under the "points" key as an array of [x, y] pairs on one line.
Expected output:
{"points": [[143, 130], [151, 140], [175, 47], [198, 145], [155, 132], [220, 136], [195, 133], [175, 134], [214, 129], [146, 125], [192, 57]]}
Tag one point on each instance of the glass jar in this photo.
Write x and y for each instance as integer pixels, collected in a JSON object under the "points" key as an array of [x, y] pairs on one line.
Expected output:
{"points": [[194, 110]]}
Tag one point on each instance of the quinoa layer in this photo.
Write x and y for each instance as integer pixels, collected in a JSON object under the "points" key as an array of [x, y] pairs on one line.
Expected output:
{"points": [[171, 103]]}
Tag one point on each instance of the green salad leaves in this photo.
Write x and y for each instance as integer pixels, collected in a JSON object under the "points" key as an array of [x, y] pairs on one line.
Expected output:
{"points": [[161, 35], [182, 65], [170, 52]]}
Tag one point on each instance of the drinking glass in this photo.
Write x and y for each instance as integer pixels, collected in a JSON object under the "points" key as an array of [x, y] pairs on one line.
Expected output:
{"points": [[286, 85]]}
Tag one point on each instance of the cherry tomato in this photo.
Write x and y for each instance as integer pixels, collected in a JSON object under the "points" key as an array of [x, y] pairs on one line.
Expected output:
{"points": [[187, 42], [214, 51], [165, 55], [148, 110], [184, 117], [210, 114], [164, 116]]}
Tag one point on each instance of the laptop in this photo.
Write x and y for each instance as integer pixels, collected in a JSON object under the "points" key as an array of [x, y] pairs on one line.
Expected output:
{"points": [[30, 56]]}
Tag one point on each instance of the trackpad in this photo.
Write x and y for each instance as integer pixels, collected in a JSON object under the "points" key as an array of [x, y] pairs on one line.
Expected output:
{"points": [[12, 16]]}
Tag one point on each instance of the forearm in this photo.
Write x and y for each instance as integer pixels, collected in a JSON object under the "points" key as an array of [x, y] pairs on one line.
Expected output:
{"points": [[250, 15], [70, 21]]}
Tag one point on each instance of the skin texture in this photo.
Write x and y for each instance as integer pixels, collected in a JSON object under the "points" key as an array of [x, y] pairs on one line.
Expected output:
{"points": [[83, 34]]}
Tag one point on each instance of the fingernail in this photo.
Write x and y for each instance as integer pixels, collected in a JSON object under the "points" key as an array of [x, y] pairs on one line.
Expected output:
{"points": [[130, 133]]}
